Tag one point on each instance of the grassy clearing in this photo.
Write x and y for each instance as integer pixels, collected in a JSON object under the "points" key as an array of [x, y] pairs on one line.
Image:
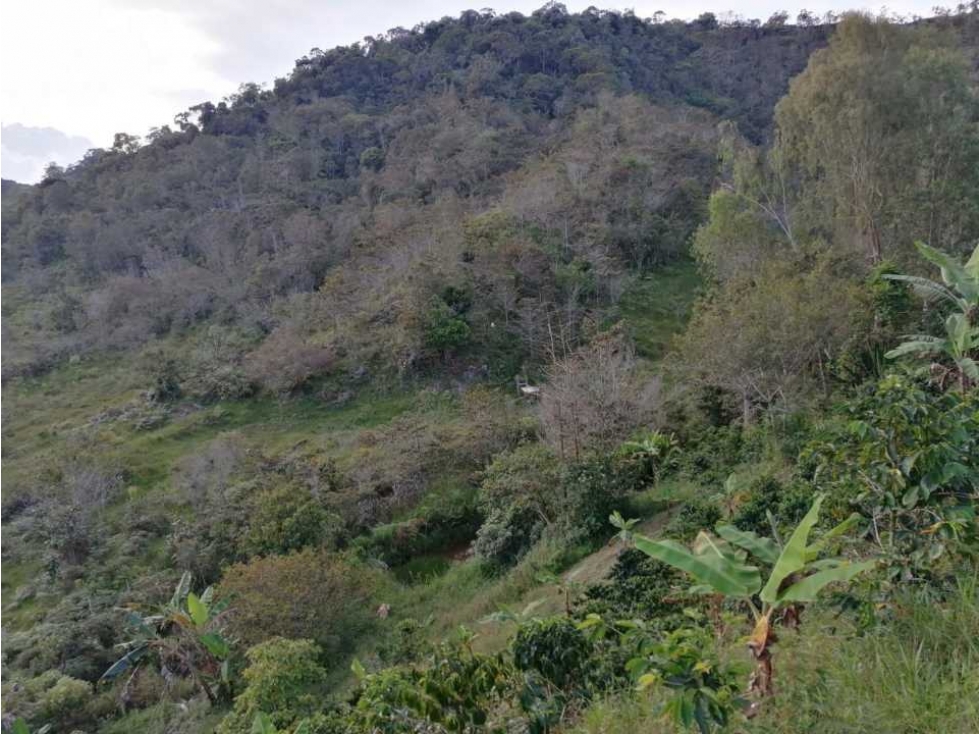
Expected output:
{"points": [[919, 675], [656, 306]]}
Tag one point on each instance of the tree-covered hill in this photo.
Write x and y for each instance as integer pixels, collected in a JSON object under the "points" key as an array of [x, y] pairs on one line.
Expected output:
{"points": [[307, 386], [591, 134]]}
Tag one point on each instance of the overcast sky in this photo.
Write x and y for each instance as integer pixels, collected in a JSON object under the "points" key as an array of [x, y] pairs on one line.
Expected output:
{"points": [[74, 72]]}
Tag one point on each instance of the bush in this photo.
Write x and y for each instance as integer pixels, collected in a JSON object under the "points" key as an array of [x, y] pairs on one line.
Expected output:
{"points": [[594, 398], [767, 495], [520, 494], [507, 535], [50, 698], [289, 518], [445, 328], [591, 492], [285, 361], [555, 649], [640, 587], [310, 594], [284, 679], [695, 515]]}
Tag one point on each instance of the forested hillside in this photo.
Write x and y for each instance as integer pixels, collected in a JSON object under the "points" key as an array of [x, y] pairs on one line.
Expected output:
{"points": [[323, 404]]}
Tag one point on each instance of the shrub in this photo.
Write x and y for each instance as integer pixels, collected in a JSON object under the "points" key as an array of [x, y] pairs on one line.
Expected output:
{"points": [[285, 361], [554, 648], [695, 515], [507, 534], [907, 457], [289, 518], [640, 587], [50, 698], [457, 693], [284, 680], [787, 505], [592, 489], [528, 475], [445, 328], [595, 398], [520, 494], [407, 644], [310, 594]]}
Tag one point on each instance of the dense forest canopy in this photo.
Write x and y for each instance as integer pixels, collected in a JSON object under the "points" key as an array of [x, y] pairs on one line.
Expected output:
{"points": [[316, 374]]}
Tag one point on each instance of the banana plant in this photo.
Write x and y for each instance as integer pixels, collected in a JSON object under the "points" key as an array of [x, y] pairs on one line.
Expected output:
{"points": [[184, 635], [652, 451], [720, 565], [960, 343]]}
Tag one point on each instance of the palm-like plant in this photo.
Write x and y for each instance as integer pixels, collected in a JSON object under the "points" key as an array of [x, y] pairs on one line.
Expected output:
{"points": [[184, 635], [652, 451], [960, 343], [720, 566]]}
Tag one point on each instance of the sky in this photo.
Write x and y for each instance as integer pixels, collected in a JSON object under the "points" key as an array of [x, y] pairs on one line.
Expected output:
{"points": [[75, 72]]}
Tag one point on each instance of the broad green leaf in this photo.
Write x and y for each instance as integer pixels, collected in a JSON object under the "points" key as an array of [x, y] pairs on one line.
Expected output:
{"points": [[198, 609], [124, 663], [793, 556], [358, 670], [722, 574], [953, 273], [927, 289], [969, 367], [705, 544], [262, 724], [813, 550], [216, 645], [181, 591], [764, 549], [807, 589], [20, 727], [972, 266], [920, 345]]}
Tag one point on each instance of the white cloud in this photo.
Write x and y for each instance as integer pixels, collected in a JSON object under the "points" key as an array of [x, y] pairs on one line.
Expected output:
{"points": [[96, 67]]}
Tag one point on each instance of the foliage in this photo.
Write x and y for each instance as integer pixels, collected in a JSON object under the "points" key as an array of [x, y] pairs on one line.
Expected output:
{"points": [[47, 701], [520, 494], [457, 692], [445, 329], [640, 587], [960, 345], [594, 398], [720, 567], [289, 518], [284, 681], [654, 452], [882, 106], [789, 324], [692, 517], [185, 636], [309, 594], [704, 689], [905, 455], [555, 649]]}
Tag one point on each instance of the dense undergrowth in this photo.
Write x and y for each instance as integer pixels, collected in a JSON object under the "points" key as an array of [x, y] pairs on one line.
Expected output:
{"points": [[323, 411]]}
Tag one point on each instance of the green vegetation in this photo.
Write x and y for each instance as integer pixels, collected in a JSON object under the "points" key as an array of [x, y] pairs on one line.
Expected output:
{"points": [[363, 364]]}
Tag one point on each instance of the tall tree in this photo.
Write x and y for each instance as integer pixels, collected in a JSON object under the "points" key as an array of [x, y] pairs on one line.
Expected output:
{"points": [[883, 129]]}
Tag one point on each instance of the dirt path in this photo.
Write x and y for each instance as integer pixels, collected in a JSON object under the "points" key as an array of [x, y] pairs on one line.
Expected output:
{"points": [[549, 599]]}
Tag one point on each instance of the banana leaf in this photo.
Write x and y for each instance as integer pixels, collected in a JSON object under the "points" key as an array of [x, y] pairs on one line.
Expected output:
{"points": [[793, 556], [722, 574]]}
